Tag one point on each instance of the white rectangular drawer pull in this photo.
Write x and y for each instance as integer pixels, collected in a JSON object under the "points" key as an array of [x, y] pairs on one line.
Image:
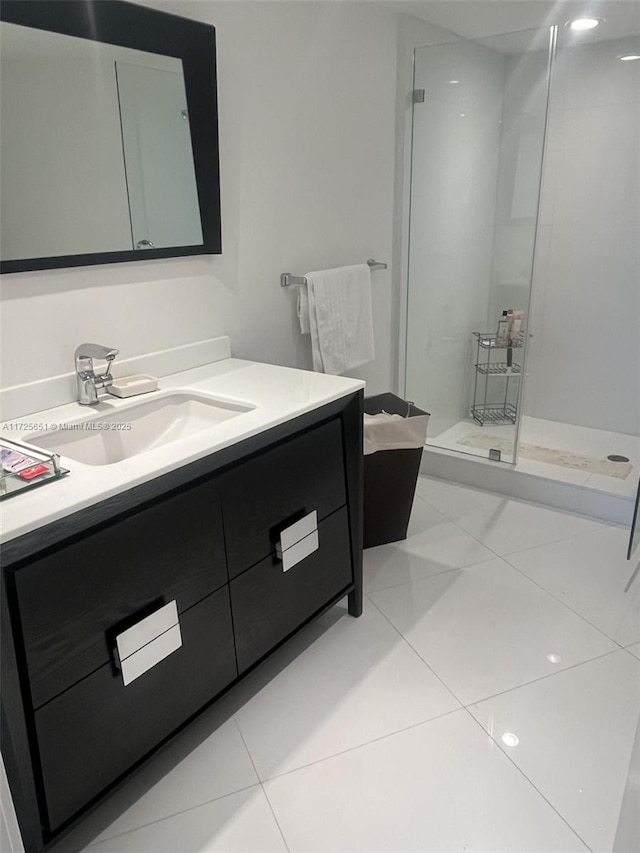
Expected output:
{"points": [[295, 532], [294, 555], [148, 642]]}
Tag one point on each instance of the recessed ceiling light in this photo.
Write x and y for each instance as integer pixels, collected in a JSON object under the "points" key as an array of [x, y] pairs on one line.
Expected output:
{"points": [[584, 23], [509, 739], [629, 57], [453, 81]]}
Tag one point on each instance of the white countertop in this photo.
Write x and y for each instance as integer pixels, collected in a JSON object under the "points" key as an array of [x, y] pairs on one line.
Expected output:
{"points": [[278, 394]]}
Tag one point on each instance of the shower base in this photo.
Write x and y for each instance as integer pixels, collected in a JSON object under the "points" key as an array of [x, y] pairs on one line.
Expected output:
{"points": [[564, 484]]}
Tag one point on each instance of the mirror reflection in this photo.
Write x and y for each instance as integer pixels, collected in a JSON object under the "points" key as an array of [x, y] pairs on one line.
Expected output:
{"points": [[96, 148]]}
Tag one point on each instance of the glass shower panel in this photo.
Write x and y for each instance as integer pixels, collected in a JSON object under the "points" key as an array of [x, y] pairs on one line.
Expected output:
{"points": [[478, 133], [582, 395]]}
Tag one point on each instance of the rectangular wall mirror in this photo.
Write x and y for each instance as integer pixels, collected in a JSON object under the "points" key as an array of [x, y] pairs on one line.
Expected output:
{"points": [[109, 149]]}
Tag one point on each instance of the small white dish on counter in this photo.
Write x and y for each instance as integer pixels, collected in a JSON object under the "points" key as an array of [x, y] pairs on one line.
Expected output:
{"points": [[131, 386]]}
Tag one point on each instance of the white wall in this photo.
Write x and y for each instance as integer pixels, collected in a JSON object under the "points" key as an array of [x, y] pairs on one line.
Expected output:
{"points": [[456, 142], [584, 358], [307, 110]]}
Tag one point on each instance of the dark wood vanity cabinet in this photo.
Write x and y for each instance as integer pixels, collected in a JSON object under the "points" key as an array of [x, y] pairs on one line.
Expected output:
{"points": [[73, 599], [237, 550], [297, 593], [92, 733]]}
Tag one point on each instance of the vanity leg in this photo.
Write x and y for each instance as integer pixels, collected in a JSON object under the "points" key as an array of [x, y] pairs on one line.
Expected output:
{"points": [[352, 420], [355, 602]]}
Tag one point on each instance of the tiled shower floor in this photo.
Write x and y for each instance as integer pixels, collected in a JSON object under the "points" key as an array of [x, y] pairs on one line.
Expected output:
{"points": [[582, 441], [497, 621]]}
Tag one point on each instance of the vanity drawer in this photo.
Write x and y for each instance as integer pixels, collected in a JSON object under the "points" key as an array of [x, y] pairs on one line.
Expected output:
{"points": [[70, 599], [94, 732], [269, 603], [277, 487]]}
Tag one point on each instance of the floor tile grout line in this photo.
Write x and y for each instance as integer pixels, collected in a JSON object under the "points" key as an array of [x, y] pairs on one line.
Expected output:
{"points": [[544, 677], [551, 542], [509, 689], [533, 681], [444, 571], [511, 566], [430, 506], [170, 816], [534, 786], [556, 541], [427, 577], [488, 514], [373, 740], [568, 606], [363, 745], [523, 550], [412, 647], [505, 559], [424, 723], [255, 770]]}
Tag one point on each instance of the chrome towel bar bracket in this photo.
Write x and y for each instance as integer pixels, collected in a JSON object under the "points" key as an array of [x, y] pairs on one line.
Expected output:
{"points": [[288, 278]]}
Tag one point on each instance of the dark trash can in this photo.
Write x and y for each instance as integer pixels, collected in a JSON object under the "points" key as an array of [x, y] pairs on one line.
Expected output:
{"points": [[390, 478]]}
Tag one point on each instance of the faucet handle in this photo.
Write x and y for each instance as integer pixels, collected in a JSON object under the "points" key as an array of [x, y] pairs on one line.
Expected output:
{"points": [[96, 351]]}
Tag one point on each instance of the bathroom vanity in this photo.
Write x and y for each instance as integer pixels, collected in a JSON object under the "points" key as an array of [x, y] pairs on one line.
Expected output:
{"points": [[155, 582]]}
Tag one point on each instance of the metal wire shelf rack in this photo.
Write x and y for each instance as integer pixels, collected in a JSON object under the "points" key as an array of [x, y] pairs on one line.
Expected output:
{"points": [[498, 414], [486, 407], [499, 368]]}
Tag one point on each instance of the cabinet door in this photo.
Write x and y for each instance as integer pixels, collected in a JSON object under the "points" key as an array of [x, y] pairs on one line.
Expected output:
{"points": [[74, 598], [269, 603], [279, 486], [91, 734]]}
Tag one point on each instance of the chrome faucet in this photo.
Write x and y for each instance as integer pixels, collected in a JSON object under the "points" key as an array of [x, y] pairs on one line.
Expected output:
{"points": [[87, 380]]}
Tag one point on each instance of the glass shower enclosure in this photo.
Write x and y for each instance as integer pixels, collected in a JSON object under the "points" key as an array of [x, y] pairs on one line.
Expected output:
{"points": [[479, 118]]}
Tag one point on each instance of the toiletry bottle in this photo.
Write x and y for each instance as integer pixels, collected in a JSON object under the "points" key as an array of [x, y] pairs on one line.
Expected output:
{"points": [[502, 335], [515, 333], [509, 325]]}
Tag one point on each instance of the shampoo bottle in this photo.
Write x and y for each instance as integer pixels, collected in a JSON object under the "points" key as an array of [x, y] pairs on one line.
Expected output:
{"points": [[502, 335]]}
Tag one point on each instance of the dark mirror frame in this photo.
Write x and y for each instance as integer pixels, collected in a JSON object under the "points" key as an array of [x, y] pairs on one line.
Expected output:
{"points": [[127, 25]]}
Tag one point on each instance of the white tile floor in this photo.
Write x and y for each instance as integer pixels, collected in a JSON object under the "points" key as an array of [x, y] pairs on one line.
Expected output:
{"points": [[384, 733]]}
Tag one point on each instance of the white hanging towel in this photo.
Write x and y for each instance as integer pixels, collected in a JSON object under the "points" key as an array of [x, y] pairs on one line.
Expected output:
{"points": [[340, 318], [303, 310]]}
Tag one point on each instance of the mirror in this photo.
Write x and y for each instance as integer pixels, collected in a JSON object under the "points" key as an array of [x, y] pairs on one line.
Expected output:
{"points": [[109, 150]]}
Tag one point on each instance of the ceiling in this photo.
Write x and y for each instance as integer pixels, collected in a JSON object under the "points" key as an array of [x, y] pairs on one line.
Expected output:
{"points": [[480, 18]]}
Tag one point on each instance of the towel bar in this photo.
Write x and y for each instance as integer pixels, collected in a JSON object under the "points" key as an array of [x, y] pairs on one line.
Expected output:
{"points": [[287, 278]]}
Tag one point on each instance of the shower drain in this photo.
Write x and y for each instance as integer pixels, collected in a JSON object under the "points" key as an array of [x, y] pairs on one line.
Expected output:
{"points": [[616, 458]]}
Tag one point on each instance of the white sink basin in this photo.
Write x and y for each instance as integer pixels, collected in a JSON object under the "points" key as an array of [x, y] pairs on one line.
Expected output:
{"points": [[137, 427]]}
